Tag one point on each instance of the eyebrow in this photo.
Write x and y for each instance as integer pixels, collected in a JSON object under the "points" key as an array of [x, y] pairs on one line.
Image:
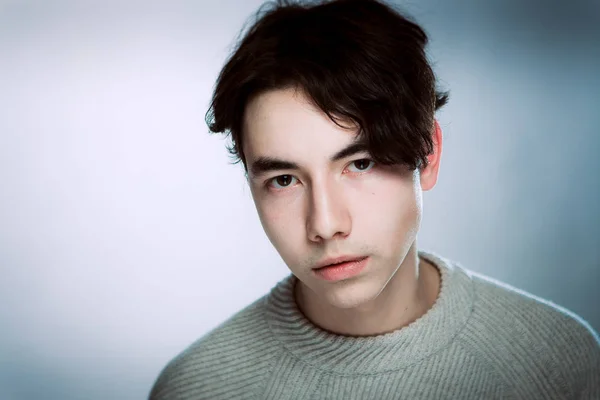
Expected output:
{"points": [[262, 165]]}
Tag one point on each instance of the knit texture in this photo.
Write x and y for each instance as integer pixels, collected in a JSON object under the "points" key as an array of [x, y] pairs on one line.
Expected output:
{"points": [[482, 339]]}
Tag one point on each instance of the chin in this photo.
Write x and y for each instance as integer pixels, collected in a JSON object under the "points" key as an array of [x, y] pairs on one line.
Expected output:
{"points": [[349, 294]]}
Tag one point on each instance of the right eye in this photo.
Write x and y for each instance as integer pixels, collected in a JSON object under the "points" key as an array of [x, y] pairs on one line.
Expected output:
{"points": [[281, 181]]}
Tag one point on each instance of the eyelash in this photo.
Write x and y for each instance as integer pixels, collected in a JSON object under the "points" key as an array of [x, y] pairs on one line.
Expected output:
{"points": [[269, 181]]}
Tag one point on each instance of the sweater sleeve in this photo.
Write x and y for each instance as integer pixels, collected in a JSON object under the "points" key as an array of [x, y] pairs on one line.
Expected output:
{"points": [[585, 374], [591, 386]]}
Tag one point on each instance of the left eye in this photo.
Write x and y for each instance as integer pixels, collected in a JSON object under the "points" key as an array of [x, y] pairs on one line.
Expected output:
{"points": [[361, 165]]}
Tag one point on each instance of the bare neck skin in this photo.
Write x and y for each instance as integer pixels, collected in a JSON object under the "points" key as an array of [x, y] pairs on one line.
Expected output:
{"points": [[409, 294]]}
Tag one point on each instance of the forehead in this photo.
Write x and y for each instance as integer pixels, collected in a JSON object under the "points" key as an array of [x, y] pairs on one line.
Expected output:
{"points": [[284, 123]]}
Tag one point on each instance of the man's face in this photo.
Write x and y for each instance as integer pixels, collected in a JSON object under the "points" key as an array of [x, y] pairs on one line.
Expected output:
{"points": [[317, 207]]}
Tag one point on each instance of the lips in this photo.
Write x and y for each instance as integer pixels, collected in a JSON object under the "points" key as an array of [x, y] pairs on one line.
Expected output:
{"points": [[338, 260]]}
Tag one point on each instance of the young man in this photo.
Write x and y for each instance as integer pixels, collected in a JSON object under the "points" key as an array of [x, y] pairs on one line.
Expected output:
{"points": [[331, 111]]}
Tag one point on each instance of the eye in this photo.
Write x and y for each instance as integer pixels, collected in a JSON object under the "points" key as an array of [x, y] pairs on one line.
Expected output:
{"points": [[361, 165], [281, 181]]}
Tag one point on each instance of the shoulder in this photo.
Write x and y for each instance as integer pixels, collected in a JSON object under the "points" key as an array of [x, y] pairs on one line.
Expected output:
{"points": [[209, 367], [506, 304], [535, 335]]}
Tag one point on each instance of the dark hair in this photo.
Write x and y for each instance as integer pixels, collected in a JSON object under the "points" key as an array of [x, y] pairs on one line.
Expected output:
{"points": [[356, 60]]}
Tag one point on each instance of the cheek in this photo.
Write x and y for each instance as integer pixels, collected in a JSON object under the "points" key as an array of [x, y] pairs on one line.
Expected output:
{"points": [[281, 221], [392, 210]]}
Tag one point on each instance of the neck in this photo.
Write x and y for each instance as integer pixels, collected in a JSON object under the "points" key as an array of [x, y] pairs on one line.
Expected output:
{"points": [[409, 294]]}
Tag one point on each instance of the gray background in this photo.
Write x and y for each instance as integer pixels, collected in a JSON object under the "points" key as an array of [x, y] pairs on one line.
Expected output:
{"points": [[125, 235]]}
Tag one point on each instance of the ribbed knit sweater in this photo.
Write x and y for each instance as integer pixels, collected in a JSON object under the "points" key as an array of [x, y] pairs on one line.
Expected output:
{"points": [[482, 339]]}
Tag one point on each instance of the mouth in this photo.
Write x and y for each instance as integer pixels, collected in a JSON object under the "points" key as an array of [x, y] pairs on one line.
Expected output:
{"points": [[341, 268], [337, 261]]}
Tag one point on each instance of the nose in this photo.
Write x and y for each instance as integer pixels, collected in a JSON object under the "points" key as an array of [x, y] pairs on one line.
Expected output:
{"points": [[328, 215]]}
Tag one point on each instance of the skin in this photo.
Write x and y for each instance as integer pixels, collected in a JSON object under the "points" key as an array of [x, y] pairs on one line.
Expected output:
{"points": [[321, 208]]}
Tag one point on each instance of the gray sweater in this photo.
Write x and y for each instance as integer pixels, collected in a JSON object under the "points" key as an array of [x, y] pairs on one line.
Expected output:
{"points": [[481, 340]]}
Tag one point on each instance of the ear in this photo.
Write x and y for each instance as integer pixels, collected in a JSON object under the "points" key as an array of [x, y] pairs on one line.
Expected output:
{"points": [[430, 172]]}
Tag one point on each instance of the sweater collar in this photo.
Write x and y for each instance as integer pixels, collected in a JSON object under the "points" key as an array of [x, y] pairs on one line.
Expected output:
{"points": [[374, 354]]}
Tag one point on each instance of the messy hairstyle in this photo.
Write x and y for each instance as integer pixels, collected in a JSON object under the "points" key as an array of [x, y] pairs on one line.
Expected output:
{"points": [[359, 61]]}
